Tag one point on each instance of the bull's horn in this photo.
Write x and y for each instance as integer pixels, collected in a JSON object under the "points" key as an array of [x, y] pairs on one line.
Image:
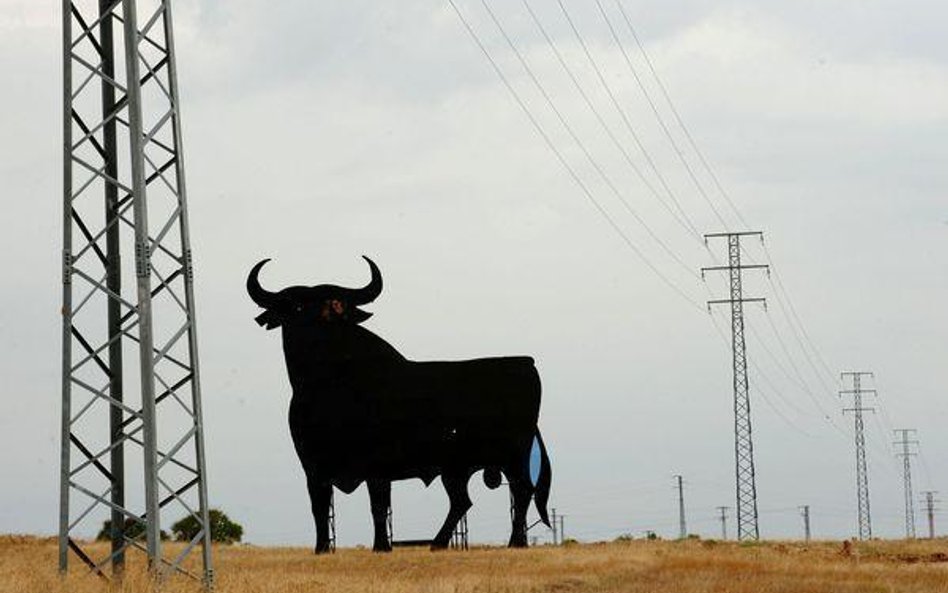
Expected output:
{"points": [[260, 296], [368, 293]]}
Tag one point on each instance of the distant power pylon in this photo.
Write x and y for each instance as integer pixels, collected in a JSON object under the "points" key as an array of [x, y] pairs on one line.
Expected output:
{"points": [[743, 443], [722, 516], [554, 526], [805, 513], [862, 475], [906, 455], [930, 501], [682, 528]]}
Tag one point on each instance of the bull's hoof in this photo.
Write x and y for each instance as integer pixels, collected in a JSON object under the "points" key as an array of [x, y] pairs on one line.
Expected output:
{"points": [[437, 546], [516, 542], [321, 549], [382, 548]]}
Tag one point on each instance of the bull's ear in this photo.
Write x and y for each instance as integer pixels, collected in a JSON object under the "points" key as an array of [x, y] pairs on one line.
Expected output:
{"points": [[268, 319], [357, 315]]}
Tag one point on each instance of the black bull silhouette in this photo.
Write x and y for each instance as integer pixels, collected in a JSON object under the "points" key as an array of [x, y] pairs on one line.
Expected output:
{"points": [[361, 411]]}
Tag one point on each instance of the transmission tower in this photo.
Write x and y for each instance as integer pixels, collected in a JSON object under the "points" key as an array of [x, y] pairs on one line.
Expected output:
{"points": [[682, 528], [862, 475], [805, 513], [554, 527], [906, 455], [129, 340], [930, 501], [743, 442], [722, 516]]}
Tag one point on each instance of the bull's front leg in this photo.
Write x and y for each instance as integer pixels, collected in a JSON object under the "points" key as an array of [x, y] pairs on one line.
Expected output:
{"points": [[320, 494], [380, 497]]}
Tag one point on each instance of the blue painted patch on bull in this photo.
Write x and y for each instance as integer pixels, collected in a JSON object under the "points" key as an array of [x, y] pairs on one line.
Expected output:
{"points": [[535, 461]]}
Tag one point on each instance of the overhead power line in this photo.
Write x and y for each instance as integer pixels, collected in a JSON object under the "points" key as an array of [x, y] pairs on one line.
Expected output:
{"points": [[565, 164], [659, 118], [678, 118], [680, 218], [579, 143], [622, 113]]}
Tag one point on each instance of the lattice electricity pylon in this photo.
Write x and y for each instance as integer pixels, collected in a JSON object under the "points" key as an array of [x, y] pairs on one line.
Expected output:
{"points": [[930, 501], [906, 455], [862, 472], [743, 442], [127, 317]]}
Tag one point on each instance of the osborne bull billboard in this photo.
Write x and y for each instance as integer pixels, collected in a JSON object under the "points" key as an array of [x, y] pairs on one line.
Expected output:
{"points": [[362, 412]]}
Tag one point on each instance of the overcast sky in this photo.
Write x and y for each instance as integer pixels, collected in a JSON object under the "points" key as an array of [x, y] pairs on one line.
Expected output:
{"points": [[316, 132]]}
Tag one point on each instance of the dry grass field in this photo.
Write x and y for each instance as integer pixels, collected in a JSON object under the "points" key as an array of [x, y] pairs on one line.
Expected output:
{"points": [[28, 564]]}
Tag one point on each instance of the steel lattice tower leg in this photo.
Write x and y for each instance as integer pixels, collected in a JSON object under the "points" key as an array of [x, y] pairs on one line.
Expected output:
{"points": [[862, 473], [906, 455], [124, 191], [743, 441]]}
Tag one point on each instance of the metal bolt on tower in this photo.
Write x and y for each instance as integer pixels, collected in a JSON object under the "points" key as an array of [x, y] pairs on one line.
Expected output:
{"points": [[862, 474], [132, 449], [743, 442]]}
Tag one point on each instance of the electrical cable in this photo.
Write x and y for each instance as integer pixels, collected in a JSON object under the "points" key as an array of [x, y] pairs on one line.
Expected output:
{"points": [[678, 118], [659, 118], [582, 146], [684, 222], [572, 173], [615, 102]]}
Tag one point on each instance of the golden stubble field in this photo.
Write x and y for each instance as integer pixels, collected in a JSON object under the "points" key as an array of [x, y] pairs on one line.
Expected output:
{"points": [[28, 564]]}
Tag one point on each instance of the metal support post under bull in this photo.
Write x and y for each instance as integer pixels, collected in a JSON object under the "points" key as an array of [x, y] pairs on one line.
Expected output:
{"points": [[120, 97], [459, 541], [332, 520]]}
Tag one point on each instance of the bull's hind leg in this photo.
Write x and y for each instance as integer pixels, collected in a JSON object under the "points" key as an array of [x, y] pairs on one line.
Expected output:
{"points": [[521, 491], [319, 495], [380, 496], [455, 484]]}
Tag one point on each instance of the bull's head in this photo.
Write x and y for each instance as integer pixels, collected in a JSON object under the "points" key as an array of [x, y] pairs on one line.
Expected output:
{"points": [[321, 304]]}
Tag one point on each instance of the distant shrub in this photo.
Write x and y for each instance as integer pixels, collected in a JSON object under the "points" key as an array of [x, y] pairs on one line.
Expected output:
{"points": [[133, 529], [223, 530]]}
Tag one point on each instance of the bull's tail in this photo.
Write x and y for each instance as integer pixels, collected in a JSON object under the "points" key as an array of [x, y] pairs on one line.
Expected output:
{"points": [[542, 493]]}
